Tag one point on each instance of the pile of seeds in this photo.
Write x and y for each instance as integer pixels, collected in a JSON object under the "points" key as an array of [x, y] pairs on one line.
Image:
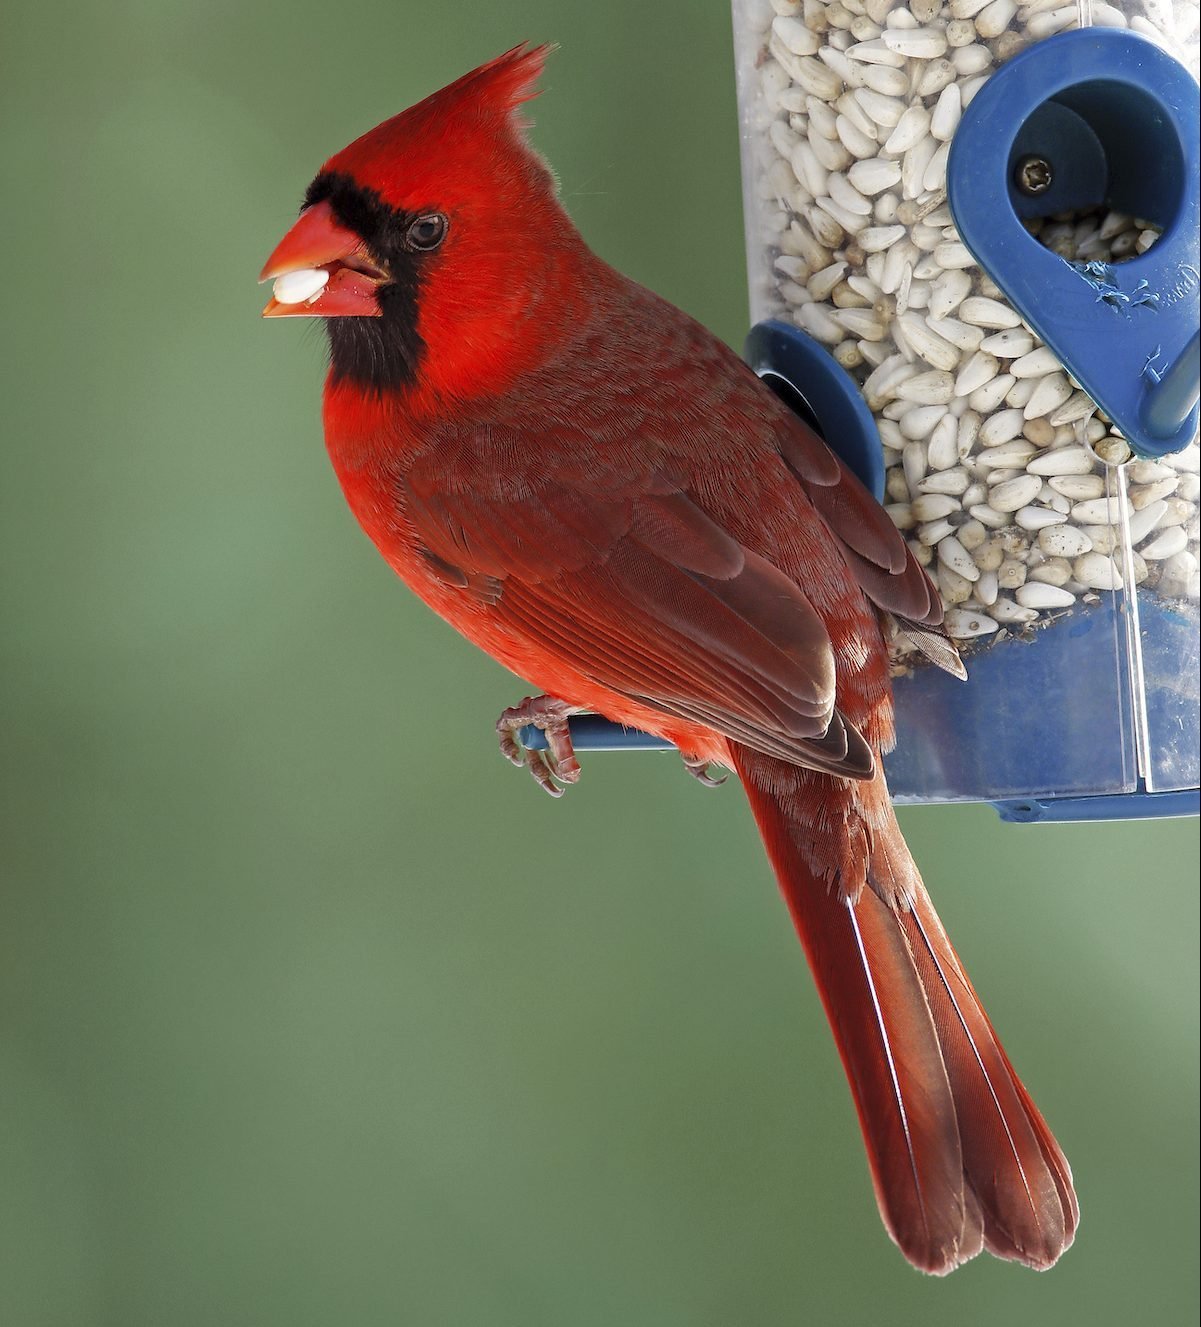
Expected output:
{"points": [[1012, 488]]}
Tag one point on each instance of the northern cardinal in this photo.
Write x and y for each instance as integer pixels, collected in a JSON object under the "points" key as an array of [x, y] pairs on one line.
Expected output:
{"points": [[600, 494]]}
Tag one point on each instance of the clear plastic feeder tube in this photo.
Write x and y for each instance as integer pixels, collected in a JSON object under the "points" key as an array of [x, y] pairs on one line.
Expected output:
{"points": [[1068, 565]]}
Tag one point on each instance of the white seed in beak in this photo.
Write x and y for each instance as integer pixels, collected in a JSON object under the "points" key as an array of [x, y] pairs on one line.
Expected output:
{"points": [[299, 286]]}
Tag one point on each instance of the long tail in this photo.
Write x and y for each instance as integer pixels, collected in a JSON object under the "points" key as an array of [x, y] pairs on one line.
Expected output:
{"points": [[960, 1157]]}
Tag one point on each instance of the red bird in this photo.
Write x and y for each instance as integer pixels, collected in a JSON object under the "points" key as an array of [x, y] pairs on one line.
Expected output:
{"points": [[604, 497]]}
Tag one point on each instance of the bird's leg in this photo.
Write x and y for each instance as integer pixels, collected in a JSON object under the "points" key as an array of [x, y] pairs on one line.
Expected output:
{"points": [[558, 761], [699, 769]]}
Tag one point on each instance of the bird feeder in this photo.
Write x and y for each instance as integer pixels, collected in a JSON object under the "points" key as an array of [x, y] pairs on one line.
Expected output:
{"points": [[972, 231]]}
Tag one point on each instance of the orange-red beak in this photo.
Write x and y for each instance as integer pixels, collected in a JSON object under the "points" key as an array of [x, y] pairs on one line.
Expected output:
{"points": [[318, 243]]}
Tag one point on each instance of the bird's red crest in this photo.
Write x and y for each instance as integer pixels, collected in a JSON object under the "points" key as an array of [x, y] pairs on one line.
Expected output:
{"points": [[504, 83], [435, 136]]}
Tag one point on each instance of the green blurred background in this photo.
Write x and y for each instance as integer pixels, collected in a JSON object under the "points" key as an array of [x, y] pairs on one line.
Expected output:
{"points": [[314, 1012]]}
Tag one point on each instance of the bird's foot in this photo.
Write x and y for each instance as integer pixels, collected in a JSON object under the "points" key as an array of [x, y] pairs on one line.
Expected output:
{"points": [[699, 769], [554, 765]]}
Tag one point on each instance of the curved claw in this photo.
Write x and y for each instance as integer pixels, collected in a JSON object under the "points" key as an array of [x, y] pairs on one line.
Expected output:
{"points": [[544, 776], [699, 769], [511, 748]]}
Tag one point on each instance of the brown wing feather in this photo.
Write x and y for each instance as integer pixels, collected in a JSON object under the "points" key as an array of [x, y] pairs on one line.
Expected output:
{"points": [[878, 556]]}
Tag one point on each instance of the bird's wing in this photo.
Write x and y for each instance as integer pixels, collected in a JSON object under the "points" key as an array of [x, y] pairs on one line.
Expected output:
{"points": [[633, 585]]}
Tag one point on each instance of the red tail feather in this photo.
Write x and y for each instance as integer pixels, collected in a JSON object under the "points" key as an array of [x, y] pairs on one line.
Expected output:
{"points": [[960, 1157]]}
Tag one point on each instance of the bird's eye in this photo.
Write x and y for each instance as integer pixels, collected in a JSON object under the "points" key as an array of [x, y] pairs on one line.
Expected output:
{"points": [[426, 232]]}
